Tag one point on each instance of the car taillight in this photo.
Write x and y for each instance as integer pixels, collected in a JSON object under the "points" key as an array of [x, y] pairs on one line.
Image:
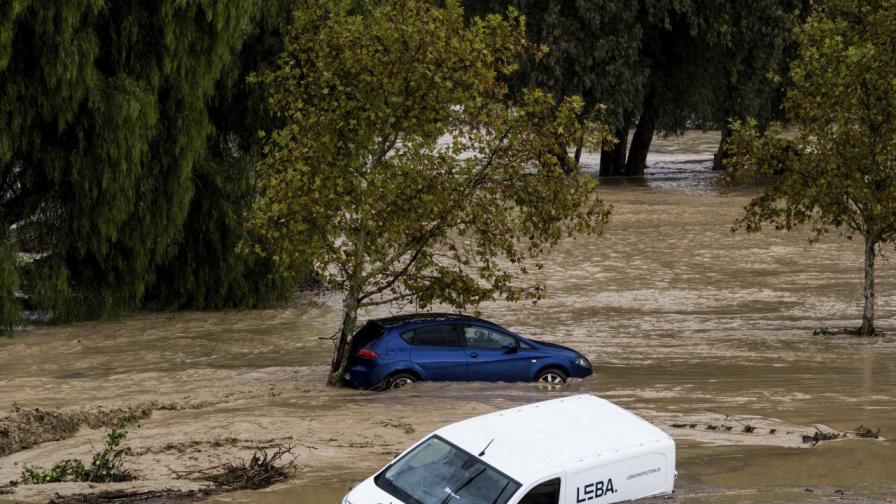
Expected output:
{"points": [[366, 353]]}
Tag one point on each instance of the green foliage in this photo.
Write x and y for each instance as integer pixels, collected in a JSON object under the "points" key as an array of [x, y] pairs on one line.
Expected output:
{"points": [[833, 165], [663, 65], [403, 170], [114, 113], [593, 50], [46, 281], [205, 271], [105, 465], [9, 285]]}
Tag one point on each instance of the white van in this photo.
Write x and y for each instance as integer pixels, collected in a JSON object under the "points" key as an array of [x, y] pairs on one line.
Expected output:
{"points": [[565, 451]]}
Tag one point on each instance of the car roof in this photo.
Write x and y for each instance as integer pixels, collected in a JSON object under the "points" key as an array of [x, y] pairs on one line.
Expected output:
{"points": [[546, 438], [414, 318]]}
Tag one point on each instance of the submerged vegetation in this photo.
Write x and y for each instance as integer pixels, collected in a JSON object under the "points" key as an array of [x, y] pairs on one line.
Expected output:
{"points": [[832, 166], [428, 183], [658, 66], [106, 465], [142, 167], [261, 470]]}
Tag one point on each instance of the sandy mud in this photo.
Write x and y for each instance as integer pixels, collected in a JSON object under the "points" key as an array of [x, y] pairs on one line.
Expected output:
{"points": [[701, 331]]}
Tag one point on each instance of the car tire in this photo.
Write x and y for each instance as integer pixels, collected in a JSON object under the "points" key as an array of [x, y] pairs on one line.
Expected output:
{"points": [[399, 380], [551, 376]]}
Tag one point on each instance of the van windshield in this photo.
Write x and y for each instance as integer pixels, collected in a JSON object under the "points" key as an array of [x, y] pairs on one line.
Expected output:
{"points": [[437, 472]]}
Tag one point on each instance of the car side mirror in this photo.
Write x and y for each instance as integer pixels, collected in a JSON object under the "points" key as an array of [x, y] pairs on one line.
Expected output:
{"points": [[511, 348]]}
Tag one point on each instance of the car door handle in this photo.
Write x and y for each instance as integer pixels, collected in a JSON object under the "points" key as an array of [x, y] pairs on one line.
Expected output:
{"points": [[474, 354]]}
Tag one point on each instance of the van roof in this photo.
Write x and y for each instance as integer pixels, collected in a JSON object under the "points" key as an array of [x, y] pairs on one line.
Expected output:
{"points": [[549, 437]]}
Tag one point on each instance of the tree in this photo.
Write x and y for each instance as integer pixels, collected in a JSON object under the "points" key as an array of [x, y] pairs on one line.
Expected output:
{"points": [[657, 66], [205, 272], [835, 168], [593, 52], [708, 62], [402, 172], [110, 129], [755, 49]]}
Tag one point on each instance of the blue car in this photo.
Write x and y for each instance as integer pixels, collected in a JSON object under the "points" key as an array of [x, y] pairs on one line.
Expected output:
{"points": [[392, 352]]}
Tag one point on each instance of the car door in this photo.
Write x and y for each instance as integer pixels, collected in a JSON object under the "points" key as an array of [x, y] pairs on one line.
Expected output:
{"points": [[494, 355], [438, 351]]}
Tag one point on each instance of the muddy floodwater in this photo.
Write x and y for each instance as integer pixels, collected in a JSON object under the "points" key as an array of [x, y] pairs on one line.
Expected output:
{"points": [[696, 329]]}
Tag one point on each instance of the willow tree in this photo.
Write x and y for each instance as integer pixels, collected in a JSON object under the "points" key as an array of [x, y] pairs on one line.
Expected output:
{"points": [[835, 168], [105, 137], [402, 172]]}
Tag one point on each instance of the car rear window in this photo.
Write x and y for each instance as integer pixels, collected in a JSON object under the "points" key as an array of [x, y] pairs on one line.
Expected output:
{"points": [[438, 335], [367, 334]]}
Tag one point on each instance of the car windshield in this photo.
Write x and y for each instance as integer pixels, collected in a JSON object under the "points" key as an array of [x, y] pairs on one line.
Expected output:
{"points": [[437, 472]]}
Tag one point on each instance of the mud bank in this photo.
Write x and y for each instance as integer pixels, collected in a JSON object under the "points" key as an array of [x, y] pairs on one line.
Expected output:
{"points": [[686, 323], [24, 428]]}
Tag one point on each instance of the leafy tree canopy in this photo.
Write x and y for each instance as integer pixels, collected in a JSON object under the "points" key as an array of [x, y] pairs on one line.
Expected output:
{"points": [[109, 131], [403, 171], [832, 166], [657, 65]]}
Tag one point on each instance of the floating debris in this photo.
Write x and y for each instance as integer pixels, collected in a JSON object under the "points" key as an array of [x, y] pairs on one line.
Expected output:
{"points": [[749, 429], [820, 436], [864, 432], [261, 471]]}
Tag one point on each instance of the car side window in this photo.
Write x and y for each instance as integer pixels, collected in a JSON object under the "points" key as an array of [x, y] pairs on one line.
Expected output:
{"points": [[545, 493], [480, 337], [438, 335], [525, 345]]}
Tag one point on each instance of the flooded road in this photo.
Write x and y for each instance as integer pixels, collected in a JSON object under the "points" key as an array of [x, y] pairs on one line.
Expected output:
{"points": [[687, 324]]}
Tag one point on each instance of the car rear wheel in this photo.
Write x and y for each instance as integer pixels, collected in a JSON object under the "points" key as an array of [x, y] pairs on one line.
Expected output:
{"points": [[399, 380], [551, 376]]}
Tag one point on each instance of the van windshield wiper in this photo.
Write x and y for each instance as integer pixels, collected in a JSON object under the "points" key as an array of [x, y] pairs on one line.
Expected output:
{"points": [[501, 493], [453, 493]]}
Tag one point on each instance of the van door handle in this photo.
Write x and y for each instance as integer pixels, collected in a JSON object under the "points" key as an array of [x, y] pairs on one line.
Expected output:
{"points": [[474, 354]]}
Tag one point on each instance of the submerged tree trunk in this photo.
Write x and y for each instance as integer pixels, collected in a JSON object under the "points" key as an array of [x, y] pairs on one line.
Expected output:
{"points": [[350, 305], [344, 338], [718, 160], [867, 328], [612, 161], [637, 155]]}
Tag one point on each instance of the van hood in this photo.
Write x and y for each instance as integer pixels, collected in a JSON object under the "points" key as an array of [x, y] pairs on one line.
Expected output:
{"points": [[368, 493]]}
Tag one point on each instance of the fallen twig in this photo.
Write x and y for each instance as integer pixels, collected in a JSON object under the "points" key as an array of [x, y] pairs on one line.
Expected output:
{"points": [[865, 432], [260, 471]]}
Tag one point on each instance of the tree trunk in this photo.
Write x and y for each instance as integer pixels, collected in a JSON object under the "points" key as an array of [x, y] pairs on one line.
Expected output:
{"points": [[718, 160], [867, 328], [637, 155], [612, 162], [350, 305], [344, 338]]}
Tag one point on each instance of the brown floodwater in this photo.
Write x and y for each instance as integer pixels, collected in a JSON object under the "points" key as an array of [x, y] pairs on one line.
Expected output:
{"points": [[686, 323]]}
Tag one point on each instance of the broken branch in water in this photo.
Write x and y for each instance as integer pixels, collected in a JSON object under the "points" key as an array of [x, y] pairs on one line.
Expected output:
{"points": [[260, 471], [865, 432], [820, 436]]}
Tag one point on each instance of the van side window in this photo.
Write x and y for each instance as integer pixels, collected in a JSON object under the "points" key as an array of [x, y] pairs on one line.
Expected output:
{"points": [[438, 335], [545, 493]]}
